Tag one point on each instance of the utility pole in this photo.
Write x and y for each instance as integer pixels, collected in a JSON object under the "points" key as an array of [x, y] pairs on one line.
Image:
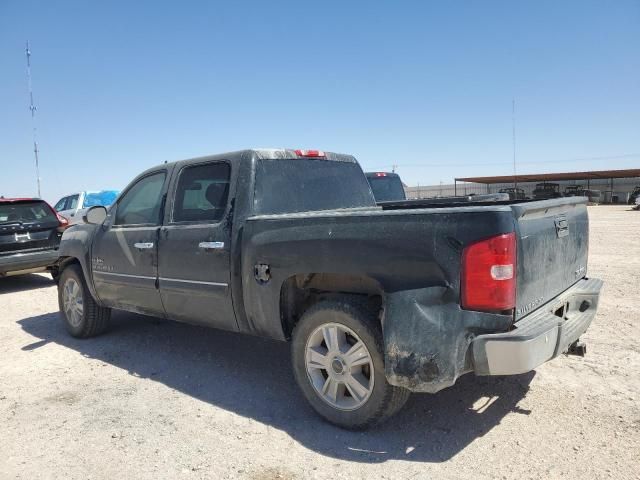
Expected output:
{"points": [[513, 132], [33, 109], [394, 168]]}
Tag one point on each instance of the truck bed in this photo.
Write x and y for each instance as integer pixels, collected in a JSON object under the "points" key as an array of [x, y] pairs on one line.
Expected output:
{"points": [[552, 239], [421, 279]]}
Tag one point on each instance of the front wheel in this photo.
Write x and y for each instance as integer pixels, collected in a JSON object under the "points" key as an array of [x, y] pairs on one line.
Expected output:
{"points": [[338, 362], [82, 316]]}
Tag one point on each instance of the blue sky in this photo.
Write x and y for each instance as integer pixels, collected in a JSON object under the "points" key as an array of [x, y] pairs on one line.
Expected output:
{"points": [[122, 86]]}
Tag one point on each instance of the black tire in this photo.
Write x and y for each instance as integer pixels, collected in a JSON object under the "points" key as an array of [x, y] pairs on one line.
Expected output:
{"points": [[94, 319], [384, 401]]}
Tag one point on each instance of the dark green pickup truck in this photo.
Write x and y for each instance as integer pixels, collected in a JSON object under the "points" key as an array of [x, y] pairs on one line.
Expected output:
{"points": [[377, 300]]}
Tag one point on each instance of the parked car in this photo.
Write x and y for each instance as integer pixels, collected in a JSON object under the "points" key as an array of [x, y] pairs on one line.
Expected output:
{"points": [[580, 191], [594, 196], [546, 190], [376, 301], [514, 193], [73, 207], [574, 191], [635, 194], [30, 232], [386, 186], [637, 206]]}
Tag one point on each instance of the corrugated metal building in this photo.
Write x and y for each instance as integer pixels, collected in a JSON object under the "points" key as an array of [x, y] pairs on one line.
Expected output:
{"points": [[614, 185]]}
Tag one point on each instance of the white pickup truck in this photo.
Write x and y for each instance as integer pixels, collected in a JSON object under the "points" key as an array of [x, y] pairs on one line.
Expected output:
{"points": [[73, 206]]}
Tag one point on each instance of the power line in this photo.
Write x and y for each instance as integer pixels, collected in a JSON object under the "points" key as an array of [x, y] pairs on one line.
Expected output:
{"points": [[487, 164], [33, 109]]}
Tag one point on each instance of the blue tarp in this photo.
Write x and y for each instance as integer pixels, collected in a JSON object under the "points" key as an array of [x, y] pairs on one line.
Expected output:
{"points": [[104, 198]]}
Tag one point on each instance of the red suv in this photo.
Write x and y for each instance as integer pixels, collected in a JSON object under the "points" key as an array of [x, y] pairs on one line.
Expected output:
{"points": [[30, 231]]}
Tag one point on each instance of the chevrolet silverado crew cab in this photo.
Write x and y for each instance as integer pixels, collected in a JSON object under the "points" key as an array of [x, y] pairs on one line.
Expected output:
{"points": [[377, 301]]}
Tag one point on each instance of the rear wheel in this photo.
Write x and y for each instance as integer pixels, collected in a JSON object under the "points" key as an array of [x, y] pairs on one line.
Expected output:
{"points": [[338, 362], [82, 316]]}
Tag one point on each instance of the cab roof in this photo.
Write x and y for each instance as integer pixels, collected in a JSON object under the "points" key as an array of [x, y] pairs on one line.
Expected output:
{"points": [[275, 154]]}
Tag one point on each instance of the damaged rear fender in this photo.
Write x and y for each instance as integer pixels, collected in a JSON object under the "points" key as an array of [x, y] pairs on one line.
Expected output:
{"points": [[427, 337]]}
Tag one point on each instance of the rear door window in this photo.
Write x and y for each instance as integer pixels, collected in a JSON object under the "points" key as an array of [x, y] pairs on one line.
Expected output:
{"points": [[202, 192], [72, 202]]}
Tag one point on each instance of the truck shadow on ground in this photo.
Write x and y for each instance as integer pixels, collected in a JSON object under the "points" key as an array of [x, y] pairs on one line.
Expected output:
{"points": [[23, 283], [252, 377]]}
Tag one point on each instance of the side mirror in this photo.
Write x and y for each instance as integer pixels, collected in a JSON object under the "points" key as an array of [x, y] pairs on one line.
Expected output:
{"points": [[95, 215]]}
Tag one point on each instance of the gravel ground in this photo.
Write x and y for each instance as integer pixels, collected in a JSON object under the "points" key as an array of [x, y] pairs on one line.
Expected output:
{"points": [[156, 399]]}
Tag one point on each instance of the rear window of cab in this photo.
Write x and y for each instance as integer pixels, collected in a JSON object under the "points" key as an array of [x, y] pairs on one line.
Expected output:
{"points": [[25, 212]]}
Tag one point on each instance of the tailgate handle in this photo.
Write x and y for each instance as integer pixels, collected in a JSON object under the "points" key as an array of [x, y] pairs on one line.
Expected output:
{"points": [[562, 226]]}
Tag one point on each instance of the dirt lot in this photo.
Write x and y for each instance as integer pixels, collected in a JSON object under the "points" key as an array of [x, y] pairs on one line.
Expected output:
{"points": [[156, 399]]}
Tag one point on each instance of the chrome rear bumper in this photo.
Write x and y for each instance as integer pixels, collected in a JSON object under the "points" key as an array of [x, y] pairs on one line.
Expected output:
{"points": [[540, 336]]}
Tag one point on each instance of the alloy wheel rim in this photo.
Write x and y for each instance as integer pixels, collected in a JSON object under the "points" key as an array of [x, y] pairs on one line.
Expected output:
{"points": [[339, 366], [72, 302]]}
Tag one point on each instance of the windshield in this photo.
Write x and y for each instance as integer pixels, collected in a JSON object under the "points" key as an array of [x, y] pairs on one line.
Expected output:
{"points": [[300, 185], [26, 212], [103, 198], [387, 189]]}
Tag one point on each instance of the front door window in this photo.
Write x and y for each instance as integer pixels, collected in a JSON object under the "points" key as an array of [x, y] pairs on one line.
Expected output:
{"points": [[141, 204]]}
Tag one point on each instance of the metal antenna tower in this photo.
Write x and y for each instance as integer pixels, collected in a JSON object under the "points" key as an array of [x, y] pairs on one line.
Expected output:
{"points": [[33, 109], [513, 132]]}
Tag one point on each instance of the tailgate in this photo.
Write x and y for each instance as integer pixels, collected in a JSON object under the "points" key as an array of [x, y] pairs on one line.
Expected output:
{"points": [[27, 226], [553, 244]]}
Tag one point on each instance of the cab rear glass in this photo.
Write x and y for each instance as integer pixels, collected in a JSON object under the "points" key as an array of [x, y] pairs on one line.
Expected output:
{"points": [[387, 188], [301, 185]]}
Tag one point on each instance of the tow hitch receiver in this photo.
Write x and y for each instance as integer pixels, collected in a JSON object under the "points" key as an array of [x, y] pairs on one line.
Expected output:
{"points": [[577, 348]]}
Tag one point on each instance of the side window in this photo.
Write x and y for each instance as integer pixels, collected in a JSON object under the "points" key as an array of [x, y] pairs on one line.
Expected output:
{"points": [[201, 194], [72, 202], [60, 205], [141, 204]]}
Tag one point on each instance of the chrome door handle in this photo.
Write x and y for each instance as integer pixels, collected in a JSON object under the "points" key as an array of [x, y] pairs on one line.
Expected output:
{"points": [[211, 245], [143, 245]]}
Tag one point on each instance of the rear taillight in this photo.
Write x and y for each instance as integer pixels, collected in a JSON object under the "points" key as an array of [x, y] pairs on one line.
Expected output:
{"points": [[381, 174], [488, 280], [310, 153], [63, 222]]}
